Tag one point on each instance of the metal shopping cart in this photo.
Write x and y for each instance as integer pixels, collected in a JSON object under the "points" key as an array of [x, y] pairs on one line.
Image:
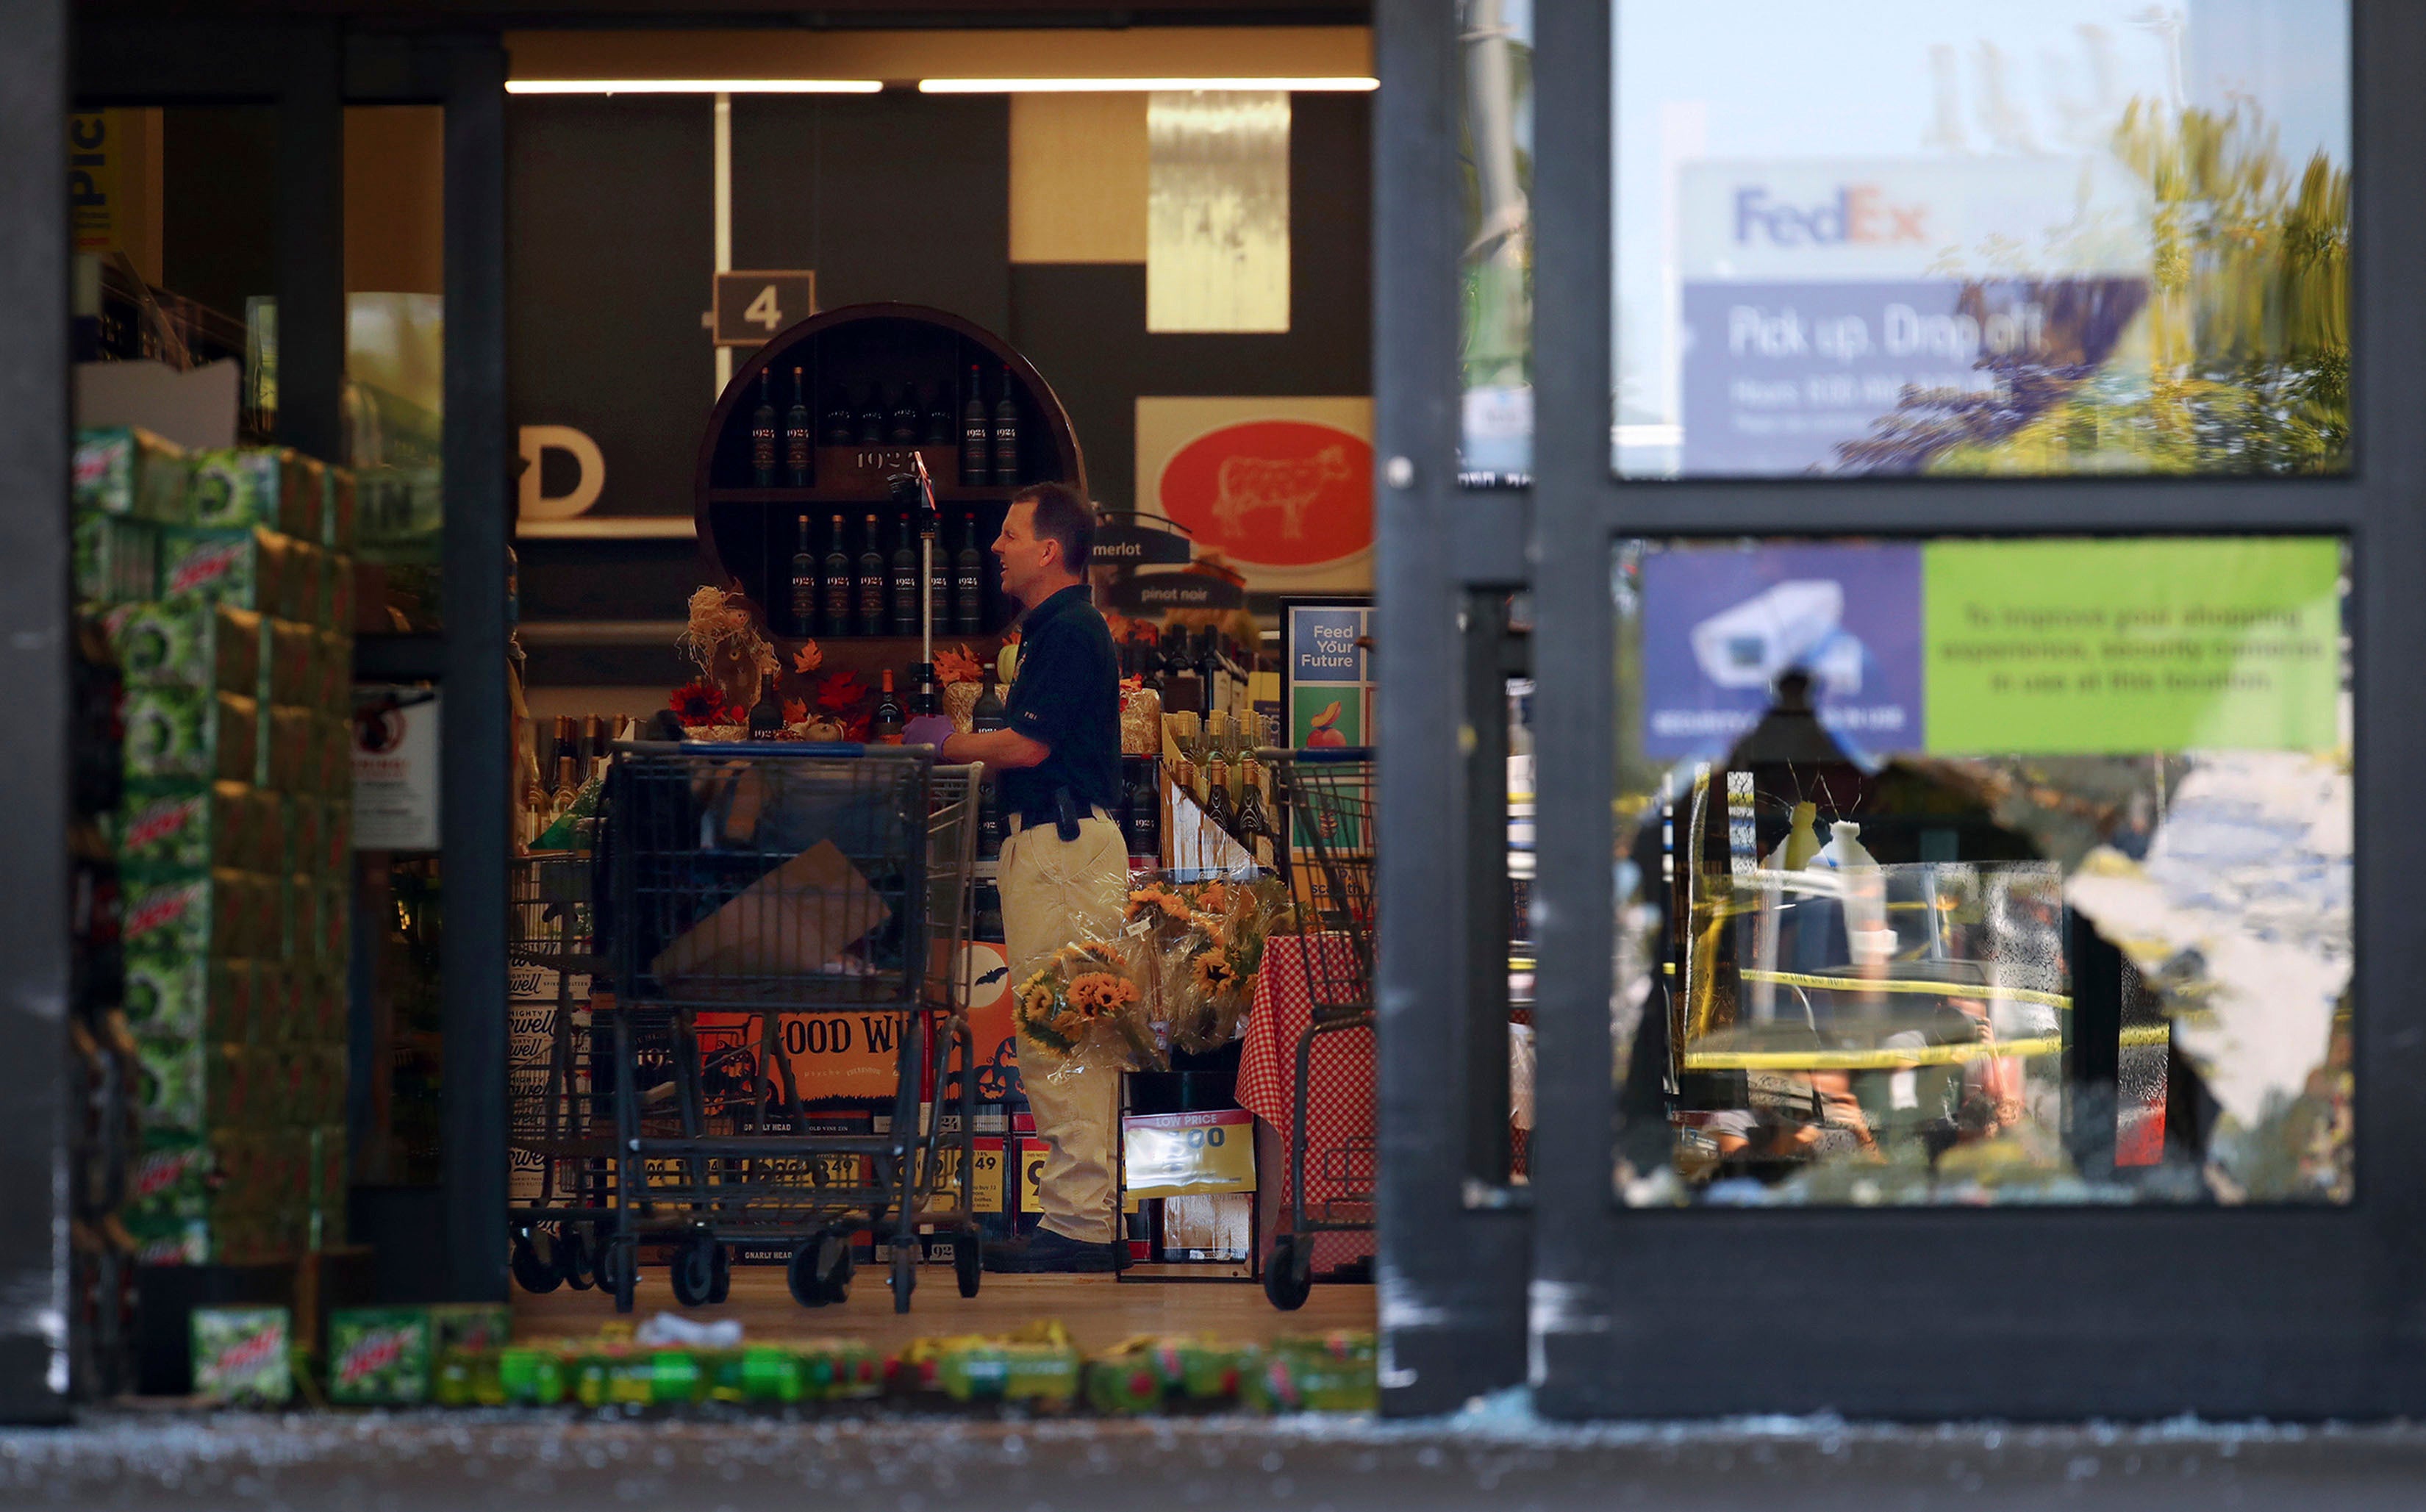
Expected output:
{"points": [[1328, 798], [559, 1140], [760, 886]]}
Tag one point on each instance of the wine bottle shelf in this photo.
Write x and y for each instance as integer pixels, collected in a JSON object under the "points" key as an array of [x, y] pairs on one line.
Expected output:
{"points": [[814, 497]]}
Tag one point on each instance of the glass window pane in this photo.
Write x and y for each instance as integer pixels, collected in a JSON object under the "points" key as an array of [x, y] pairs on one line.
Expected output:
{"points": [[1496, 268], [1980, 872], [1968, 236]]}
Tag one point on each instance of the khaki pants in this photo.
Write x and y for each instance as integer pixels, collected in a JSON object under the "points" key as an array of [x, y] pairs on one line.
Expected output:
{"points": [[1054, 892]]}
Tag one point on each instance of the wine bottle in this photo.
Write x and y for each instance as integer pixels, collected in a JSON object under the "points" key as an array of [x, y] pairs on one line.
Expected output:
{"points": [[886, 728], [977, 438], [903, 429], [989, 713], [938, 419], [762, 432], [593, 746], [839, 426], [1005, 436], [939, 579], [871, 417], [1254, 826], [1217, 772], [766, 716], [905, 582], [568, 784], [872, 618], [804, 584], [969, 580], [837, 592], [1142, 810], [795, 434]]}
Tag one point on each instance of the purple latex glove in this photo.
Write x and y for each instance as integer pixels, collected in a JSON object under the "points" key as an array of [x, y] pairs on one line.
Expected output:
{"points": [[926, 729]]}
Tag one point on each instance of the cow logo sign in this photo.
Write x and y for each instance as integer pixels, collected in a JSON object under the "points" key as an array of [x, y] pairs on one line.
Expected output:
{"points": [[1275, 493]]}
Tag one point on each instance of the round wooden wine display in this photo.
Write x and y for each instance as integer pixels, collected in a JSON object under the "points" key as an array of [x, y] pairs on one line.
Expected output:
{"points": [[845, 358]]}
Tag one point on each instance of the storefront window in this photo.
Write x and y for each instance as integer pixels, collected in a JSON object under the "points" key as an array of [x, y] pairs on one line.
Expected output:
{"points": [[1923, 237], [1496, 268], [1974, 872]]}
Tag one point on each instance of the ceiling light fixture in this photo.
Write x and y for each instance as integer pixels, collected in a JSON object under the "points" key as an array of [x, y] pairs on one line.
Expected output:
{"points": [[1348, 84], [693, 86]]}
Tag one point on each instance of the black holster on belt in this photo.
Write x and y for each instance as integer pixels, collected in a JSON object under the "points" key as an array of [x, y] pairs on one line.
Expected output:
{"points": [[1065, 815]]}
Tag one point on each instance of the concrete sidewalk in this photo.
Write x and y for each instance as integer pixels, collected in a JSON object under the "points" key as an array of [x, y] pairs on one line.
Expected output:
{"points": [[1493, 1456]]}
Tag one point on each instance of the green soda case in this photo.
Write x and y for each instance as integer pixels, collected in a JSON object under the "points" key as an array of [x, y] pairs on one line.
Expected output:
{"points": [[758, 1373], [1334, 1373], [531, 1376], [117, 561], [472, 1327], [233, 485], [241, 1356], [221, 913], [189, 734], [185, 996], [468, 1377], [380, 1356], [188, 642], [1041, 1375], [127, 471], [172, 1178], [244, 568], [1146, 1374], [190, 827], [291, 671], [620, 1376], [191, 1085]]}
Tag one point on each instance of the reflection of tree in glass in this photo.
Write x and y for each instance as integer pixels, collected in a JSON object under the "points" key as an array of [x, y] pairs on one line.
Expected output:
{"points": [[2244, 323]]}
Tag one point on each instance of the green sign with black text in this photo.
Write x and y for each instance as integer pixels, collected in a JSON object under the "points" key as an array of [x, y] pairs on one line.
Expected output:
{"points": [[2115, 647]]}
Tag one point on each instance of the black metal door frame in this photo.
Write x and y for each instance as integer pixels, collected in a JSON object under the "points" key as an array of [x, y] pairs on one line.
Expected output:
{"points": [[2066, 1313], [34, 651], [1454, 1233], [310, 70]]}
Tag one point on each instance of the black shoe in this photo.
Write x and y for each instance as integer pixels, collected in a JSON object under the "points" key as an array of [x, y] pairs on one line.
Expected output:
{"points": [[1045, 1252]]}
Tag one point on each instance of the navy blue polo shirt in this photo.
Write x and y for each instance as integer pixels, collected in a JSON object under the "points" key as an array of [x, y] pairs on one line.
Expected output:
{"points": [[1067, 696]]}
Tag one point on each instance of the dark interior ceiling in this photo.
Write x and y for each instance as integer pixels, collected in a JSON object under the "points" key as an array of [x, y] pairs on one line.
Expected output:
{"points": [[831, 14]]}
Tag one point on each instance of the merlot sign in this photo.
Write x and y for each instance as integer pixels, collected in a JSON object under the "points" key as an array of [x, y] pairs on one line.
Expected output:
{"points": [[1142, 544]]}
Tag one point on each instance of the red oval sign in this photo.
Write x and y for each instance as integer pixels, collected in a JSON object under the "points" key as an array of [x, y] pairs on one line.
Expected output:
{"points": [[1277, 492]]}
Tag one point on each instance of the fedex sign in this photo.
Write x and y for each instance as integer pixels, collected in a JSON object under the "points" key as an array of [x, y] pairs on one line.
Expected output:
{"points": [[1859, 215]]}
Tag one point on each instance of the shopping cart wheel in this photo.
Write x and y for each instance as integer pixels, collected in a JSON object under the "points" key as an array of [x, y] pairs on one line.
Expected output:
{"points": [[968, 1261], [576, 1258], [819, 1271], [905, 1275], [534, 1263], [720, 1283], [1288, 1276], [618, 1271], [694, 1271]]}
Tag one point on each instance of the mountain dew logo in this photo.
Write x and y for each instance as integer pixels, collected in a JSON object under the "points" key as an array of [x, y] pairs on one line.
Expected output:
{"points": [[160, 821], [163, 1170], [206, 566], [247, 1355], [372, 1352], [161, 910]]}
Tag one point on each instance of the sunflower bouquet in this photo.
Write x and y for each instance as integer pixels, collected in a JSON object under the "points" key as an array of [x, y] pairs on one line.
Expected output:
{"points": [[1084, 1006], [1209, 938]]}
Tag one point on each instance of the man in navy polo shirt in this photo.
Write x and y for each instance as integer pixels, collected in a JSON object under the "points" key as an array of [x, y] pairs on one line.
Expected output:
{"points": [[1064, 871]]}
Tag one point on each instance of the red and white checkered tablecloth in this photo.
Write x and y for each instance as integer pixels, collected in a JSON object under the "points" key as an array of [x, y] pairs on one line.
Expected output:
{"points": [[1340, 1104]]}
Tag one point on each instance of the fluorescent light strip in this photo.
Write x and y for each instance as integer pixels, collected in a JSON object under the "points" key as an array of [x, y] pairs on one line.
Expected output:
{"points": [[693, 86], [1296, 86]]}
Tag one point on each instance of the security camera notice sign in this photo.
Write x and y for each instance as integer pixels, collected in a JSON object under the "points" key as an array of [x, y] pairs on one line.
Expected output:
{"points": [[1998, 646]]}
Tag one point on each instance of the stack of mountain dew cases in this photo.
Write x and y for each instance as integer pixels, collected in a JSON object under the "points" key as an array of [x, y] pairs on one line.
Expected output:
{"points": [[458, 1357], [224, 582]]}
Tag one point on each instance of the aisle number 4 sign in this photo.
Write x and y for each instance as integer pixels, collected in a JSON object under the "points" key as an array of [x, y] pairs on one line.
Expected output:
{"points": [[751, 306]]}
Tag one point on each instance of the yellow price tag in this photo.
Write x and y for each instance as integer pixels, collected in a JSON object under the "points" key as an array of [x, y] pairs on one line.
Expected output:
{"points": [[1031, 1175]]}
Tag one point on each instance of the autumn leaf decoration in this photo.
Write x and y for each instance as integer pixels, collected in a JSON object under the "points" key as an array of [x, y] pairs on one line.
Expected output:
{"points": [[697, 703], [840, 691], [795, 712], [956, 665], [808, 658]]}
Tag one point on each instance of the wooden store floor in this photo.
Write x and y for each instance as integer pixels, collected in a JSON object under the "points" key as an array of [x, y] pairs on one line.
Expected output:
{"points": [[1098, 1310]]}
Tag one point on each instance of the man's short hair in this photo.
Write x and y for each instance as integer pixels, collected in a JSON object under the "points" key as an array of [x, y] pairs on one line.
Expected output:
{"points": [[1066, 516]]}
